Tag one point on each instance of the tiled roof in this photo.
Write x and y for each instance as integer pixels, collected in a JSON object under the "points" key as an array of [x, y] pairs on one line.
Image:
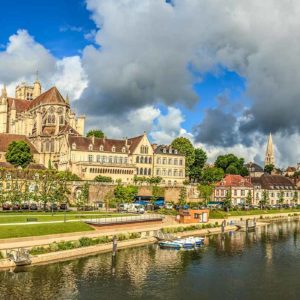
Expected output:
{"points": [[82, 144], [51, 96], [273, 182], [7, 138], [134, 142], [6, 165], [34, 166], [254, 167], [291, 169], [160, 149], [20, 105], [234, 180]]}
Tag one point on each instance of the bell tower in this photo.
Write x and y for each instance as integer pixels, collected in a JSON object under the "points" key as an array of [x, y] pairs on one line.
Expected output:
{"points": [[270, 157]]}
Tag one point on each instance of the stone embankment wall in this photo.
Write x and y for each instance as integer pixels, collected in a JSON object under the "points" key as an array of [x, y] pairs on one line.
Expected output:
{"points": [[102, 191]]}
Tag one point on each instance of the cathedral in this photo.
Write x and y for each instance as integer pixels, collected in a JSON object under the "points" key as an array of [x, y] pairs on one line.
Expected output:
{"points": [[270, 156], [55, 135]]}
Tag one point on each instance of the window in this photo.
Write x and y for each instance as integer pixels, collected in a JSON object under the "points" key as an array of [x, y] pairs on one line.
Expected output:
{"points": [[137, 160], [164, 161], [113, 149], [158, 161], [235, 192], [242, 192], [157, 172], [73, 146], [164, 151], [175, 151], [175, 172], [90, 158], [61, 120], [170, 161], [125, 160], [110, 159], [146, 160], [90, 147], [169, 172], [180, 162], [150, 160], [142, 159], [180, 173], [149, 172], [145, 171], [176, 161], [146, 149], [123, 150], [115, 160], [101, 148], [98, 158]]}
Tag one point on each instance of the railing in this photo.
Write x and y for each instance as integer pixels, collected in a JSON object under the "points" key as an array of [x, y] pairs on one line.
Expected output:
{"points": [[128, 219]]}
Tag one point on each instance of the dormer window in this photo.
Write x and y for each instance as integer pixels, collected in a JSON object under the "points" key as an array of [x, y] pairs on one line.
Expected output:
{"points": [[73, 146], [113, 149], [123, 149], [170, 151], [101, 148], [90, 147], [164, 151], [175, 151]]}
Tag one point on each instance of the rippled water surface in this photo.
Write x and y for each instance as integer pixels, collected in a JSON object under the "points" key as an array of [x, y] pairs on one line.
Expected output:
{"points": [[259, 265]]}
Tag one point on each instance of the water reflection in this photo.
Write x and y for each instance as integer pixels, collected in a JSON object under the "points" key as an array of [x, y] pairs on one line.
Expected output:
{"points": [[232, 265]]}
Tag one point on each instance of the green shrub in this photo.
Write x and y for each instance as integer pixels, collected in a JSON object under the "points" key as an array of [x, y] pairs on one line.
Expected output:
{"points": [[134, 235], [85, 241], [38, 250], [1, 255], [53, 247]]}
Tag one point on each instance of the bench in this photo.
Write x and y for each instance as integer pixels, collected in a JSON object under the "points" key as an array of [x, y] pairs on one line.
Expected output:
{"points": [[31, 219]]}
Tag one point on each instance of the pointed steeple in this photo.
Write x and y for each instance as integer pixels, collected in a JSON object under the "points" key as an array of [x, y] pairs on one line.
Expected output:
{"points": [[67, 99], [270, 156], [4, 92]]}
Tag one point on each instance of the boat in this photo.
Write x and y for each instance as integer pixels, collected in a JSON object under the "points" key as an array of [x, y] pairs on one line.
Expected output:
{"points": [[170, 245], [197, 241]]}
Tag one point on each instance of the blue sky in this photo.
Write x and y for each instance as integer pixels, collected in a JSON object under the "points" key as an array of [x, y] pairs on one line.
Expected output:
{"points": [[61, 27]]}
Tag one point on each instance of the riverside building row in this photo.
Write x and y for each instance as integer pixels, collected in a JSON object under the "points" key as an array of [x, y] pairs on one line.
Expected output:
{"points": [[55, 135], [272, 188]]}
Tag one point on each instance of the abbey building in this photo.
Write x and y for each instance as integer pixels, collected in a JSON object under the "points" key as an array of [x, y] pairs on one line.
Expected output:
{"points": [[55, 134]]}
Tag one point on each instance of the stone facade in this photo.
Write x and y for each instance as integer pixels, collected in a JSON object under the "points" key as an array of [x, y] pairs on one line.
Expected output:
{"points": [[55, 134]]}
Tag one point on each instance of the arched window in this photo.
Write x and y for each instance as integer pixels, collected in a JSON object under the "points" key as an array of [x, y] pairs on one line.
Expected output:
{"points": [[157, 172], [142, 159], [170, 161], [149, 172], [101, 148], [145, 171], [142, 149], [90, 147], [137, 159], [113, 149], [47, 146], [123, 149], [150, 160], [169, 172], [146, 149], [141, 171], [146, 160], [61, 120]]}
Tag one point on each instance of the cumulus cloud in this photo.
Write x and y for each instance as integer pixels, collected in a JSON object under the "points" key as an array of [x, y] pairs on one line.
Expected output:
{"points": [[23, 56]]}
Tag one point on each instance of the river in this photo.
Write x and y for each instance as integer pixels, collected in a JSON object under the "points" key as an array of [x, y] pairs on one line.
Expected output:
{"points": [[257, 265]]}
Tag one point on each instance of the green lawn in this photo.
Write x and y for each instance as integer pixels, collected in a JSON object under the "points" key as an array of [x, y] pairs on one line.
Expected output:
{"points": [[41, 229], [45, 217], [219, 214]]}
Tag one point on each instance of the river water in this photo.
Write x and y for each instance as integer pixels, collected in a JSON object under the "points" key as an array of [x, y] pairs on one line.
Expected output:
{"points": [[259, 265]]}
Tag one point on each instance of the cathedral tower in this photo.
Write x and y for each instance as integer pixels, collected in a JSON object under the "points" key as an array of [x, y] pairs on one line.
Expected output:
{"points": [[270, 157]]}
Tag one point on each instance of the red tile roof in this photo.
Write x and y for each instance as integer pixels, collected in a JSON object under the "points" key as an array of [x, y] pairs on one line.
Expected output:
{"points": [[134, 142], [234, 180], [21, 105], [7, 138], [51, 96]]}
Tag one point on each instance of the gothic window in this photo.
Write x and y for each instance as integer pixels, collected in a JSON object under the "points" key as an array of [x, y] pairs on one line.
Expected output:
{"points": [[149, 171], [61, 120], [145, 171], [137, 159], [146, 149], [146, 160], [150, 160], [142, 160]]}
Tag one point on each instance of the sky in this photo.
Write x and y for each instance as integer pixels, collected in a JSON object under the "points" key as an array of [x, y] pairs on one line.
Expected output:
{"points": [[223, 74]]}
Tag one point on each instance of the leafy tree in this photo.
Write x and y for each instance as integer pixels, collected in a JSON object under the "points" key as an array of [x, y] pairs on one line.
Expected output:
{"points": [[19, 154], [281, 198], [139, 179], [185, 147], [197, 166], [125, 193], [269, 168], [84, 195], [227, 200], [249, 198], [211, 175], [205, 191], [295, 198], [67, 176], [157, 192], [101, 178], [154, 180], [96, 133], [265, 199], [182, 196], [231, 164]]}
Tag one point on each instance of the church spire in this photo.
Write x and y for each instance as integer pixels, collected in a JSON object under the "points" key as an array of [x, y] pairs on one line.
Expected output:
{"points": [[270, 157]]}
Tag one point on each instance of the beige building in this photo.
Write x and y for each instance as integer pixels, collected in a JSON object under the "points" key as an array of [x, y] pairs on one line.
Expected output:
{"points": [[55, 134], [169, 164]]}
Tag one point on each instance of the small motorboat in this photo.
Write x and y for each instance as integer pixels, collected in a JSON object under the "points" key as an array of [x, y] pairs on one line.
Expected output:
{"points": [[170, 245], [197, 241]]}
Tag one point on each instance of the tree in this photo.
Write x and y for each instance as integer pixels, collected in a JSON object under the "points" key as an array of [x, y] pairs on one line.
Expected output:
{"points": [[269, 168], [265, 199], [96, 133], [157, 192], [19, 154], [281, 198], [211, 175], [185, 147], [67, 176], [182, 196], [231, 164], [101, 178], [249, 198], [84, 195], [154, 180], [197, 166], [227, 201], [125, 193], [295, 198], [205, 191]]}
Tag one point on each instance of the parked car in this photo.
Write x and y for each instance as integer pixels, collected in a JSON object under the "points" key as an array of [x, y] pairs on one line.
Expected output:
{"points": [[25, 206], [6, 206], [63, 206], [53, 207], [169, 205], [33, 206], [16, 206]]}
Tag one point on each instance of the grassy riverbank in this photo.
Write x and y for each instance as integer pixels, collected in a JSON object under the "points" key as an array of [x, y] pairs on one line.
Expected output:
{"points": [[42, 229], [16, 217], [219, 214]]}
